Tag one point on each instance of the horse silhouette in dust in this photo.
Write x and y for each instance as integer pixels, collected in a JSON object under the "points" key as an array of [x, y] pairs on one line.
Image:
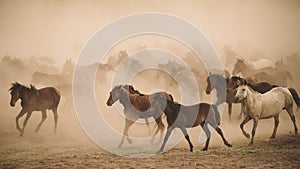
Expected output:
{"points": [[33, 99], [136, 105]]}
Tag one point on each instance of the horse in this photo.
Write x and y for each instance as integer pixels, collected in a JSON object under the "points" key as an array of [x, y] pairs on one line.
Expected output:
{"points": [[269, 74], [218, 82], [135, 106], [53, 79], [33, 99], [261, 87], [182, 117], [263, 106]]}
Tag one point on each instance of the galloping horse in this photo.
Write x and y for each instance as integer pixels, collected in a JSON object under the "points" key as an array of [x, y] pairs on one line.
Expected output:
{"points": [[135, 106], [33, 99], [180, 116], [218, 82], [261, 87], [262, 106]]}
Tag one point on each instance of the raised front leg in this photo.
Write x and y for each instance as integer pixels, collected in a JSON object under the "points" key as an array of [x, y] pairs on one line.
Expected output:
{"points": [[44, 116], [276, 122], [255, 122], [187, 138], [246, 119], [22, 112]]}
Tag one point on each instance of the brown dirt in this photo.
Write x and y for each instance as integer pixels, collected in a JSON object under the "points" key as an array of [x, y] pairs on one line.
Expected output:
{"points": [[65, 150]]}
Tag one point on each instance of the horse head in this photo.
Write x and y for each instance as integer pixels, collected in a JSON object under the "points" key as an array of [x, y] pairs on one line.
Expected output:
{"points": [[235, 82], [242, 93], [15, 92], [115, 94], [238, 66]]}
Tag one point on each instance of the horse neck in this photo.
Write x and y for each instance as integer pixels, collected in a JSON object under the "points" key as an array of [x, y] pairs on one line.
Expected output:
{"points": [[26, 94], [250, 98], [171, 109], [126, 99]]}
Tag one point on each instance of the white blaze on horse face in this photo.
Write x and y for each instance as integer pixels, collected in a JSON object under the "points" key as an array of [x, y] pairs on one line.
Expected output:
{"points": [[241, 93]]}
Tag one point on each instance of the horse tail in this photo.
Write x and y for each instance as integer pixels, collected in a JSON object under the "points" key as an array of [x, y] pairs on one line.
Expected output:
{"points": [[295, 96], [217, 114]]}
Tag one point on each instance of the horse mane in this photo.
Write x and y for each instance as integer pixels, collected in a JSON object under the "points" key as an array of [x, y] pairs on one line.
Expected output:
{"points": [[131, 89], [18, 85]]}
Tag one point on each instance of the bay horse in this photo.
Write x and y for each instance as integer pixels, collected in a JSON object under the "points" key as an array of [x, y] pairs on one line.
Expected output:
{"points": [[182, 117], [263, 106], [136, 105], [220, 83], [33, 99]]}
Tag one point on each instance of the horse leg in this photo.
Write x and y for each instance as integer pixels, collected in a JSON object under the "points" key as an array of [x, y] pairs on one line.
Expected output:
{"points": [[169, 131], [222, 135], [276, 122], [25, 122], [160, 126], [229, 110], [246, 120], [147, 123], [187, 138], [128, 123], [44, 116], [207, 133], [255, 122], [291, 113], [22, 112], [55, 119]]}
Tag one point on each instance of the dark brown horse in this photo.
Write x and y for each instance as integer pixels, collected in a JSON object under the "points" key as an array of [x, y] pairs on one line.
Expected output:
{"points": [[220, 83], [180, 116], [33, 99], [135, 106], [261, 87]]}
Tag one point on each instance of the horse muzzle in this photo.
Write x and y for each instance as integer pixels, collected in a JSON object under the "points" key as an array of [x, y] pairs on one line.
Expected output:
{"points": [[12, 104]]}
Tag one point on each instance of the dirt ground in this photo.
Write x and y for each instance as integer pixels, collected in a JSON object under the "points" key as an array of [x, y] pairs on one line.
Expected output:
{"points": [[65, 150]]}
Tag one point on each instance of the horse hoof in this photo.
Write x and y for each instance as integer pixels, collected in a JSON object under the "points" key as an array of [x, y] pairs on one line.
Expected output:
{"points": [[158, 152], [229, 145], [250, 144], [204, 149]]}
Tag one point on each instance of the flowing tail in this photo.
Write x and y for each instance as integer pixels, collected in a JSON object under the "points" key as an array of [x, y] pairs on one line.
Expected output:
{"points": [[295, 96], [217, 114]]}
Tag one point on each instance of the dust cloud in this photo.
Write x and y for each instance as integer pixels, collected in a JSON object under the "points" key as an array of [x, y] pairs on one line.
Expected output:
{"points": [[41, 36]]}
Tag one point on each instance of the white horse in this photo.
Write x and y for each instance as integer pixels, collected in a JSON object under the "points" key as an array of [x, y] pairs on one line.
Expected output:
{"points": [[263, 106]]}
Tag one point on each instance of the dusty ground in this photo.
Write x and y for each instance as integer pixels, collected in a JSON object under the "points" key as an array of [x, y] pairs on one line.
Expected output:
{"points": [[62, 150]]}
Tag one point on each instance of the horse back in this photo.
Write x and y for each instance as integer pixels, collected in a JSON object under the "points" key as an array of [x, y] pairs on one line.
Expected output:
{"points": [[50, 96]]}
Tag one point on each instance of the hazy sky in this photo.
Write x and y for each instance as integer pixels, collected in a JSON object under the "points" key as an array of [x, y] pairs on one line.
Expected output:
{"points": [[59, 28]]}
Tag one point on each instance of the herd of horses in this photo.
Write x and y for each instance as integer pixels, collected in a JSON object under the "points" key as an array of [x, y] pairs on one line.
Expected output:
{"points": [[259, 100]]}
